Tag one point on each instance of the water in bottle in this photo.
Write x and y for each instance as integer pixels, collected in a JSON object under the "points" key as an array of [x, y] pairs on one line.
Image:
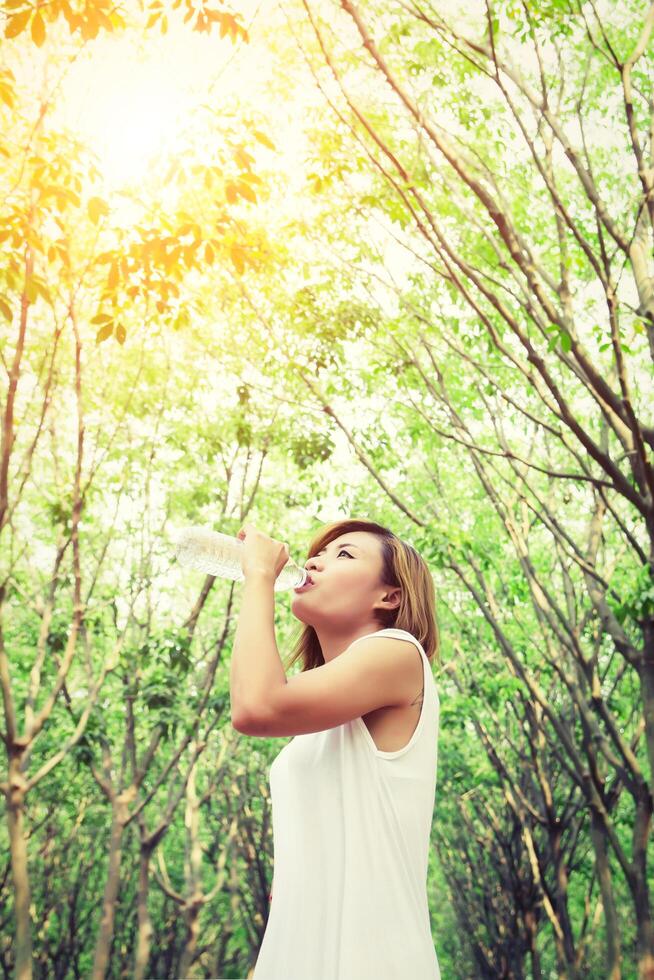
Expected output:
{"points": [[220, 554]]}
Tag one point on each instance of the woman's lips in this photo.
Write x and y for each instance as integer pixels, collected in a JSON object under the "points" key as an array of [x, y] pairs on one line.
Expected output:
{"points": [[304, 588]]}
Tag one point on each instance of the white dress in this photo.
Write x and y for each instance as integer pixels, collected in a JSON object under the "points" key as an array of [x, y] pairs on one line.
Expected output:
{"points": [[351, 834]]}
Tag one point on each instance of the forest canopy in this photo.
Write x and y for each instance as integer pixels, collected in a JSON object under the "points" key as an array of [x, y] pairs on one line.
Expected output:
{"points": [[288, 263]]}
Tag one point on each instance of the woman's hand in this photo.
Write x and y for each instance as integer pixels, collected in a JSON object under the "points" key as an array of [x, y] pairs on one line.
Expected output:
{"points": [[262, 555]]}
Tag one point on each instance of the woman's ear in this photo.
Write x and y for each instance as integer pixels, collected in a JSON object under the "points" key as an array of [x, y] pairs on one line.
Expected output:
{"points": [[391, 599]]}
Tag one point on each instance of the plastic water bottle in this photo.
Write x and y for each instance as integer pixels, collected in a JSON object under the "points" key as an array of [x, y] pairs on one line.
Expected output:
{"points": [[220, 554]]}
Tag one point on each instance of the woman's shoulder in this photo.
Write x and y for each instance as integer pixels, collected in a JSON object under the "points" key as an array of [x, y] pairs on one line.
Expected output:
{"points": [[395, 631]]}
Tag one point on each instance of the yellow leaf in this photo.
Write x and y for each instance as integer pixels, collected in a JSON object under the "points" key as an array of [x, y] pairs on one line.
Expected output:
{"points": [[91, 26], [41, 288], [112, 279], [17, 23], [104, 332], [242, 158], [208, 253], [246, 191], [7, 94], [172, 258], [38, 29], [96, 208], [105, 21], [121, 333], [237, 256], [67, 12], [258, 135], [5, 309]]}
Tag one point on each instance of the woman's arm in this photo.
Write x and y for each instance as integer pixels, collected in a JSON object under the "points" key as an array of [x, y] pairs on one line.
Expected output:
{"points": [[256, 668], [373, 672]]}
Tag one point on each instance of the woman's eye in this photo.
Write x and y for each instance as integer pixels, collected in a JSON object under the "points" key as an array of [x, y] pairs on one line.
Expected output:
{"points": [[342, 552]]}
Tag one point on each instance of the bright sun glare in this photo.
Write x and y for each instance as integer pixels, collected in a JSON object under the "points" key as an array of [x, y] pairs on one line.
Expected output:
{"points": [[140, 101], [138, 118], [132, 103]]}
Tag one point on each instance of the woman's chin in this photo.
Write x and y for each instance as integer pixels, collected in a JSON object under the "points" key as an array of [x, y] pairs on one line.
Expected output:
{"points": [[300, 612]]}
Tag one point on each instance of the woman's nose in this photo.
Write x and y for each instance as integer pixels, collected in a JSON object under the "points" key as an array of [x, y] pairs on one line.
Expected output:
{"points": [[311, 564]]}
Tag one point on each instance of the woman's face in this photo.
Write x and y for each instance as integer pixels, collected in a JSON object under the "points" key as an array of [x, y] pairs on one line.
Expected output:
{"points": [[346, 583]]}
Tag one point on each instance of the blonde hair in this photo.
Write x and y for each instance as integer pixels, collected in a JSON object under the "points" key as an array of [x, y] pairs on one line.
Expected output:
{"points": [[402, 567]]}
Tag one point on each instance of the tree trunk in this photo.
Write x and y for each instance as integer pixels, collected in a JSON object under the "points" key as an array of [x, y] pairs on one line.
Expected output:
{"points": [[193, 875], [144, 929], [646, 675], [567, 947], [192, 919], [112, 885], [16, 819], [598, 838], [644, 813], [531, 931], [640, 887]]}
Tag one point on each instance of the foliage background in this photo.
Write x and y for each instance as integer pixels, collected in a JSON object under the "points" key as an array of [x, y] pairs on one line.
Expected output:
{"points": [[392, 261]]}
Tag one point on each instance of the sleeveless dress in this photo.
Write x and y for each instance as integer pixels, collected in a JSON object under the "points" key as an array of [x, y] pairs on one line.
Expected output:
{"points": [[351, 833]]}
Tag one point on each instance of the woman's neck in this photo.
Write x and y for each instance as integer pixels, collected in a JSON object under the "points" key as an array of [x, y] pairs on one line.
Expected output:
{"points": [[334, 642]]}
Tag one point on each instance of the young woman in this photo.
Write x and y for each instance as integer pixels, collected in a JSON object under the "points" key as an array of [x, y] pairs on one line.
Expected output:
{"points": [[353, 793]]}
